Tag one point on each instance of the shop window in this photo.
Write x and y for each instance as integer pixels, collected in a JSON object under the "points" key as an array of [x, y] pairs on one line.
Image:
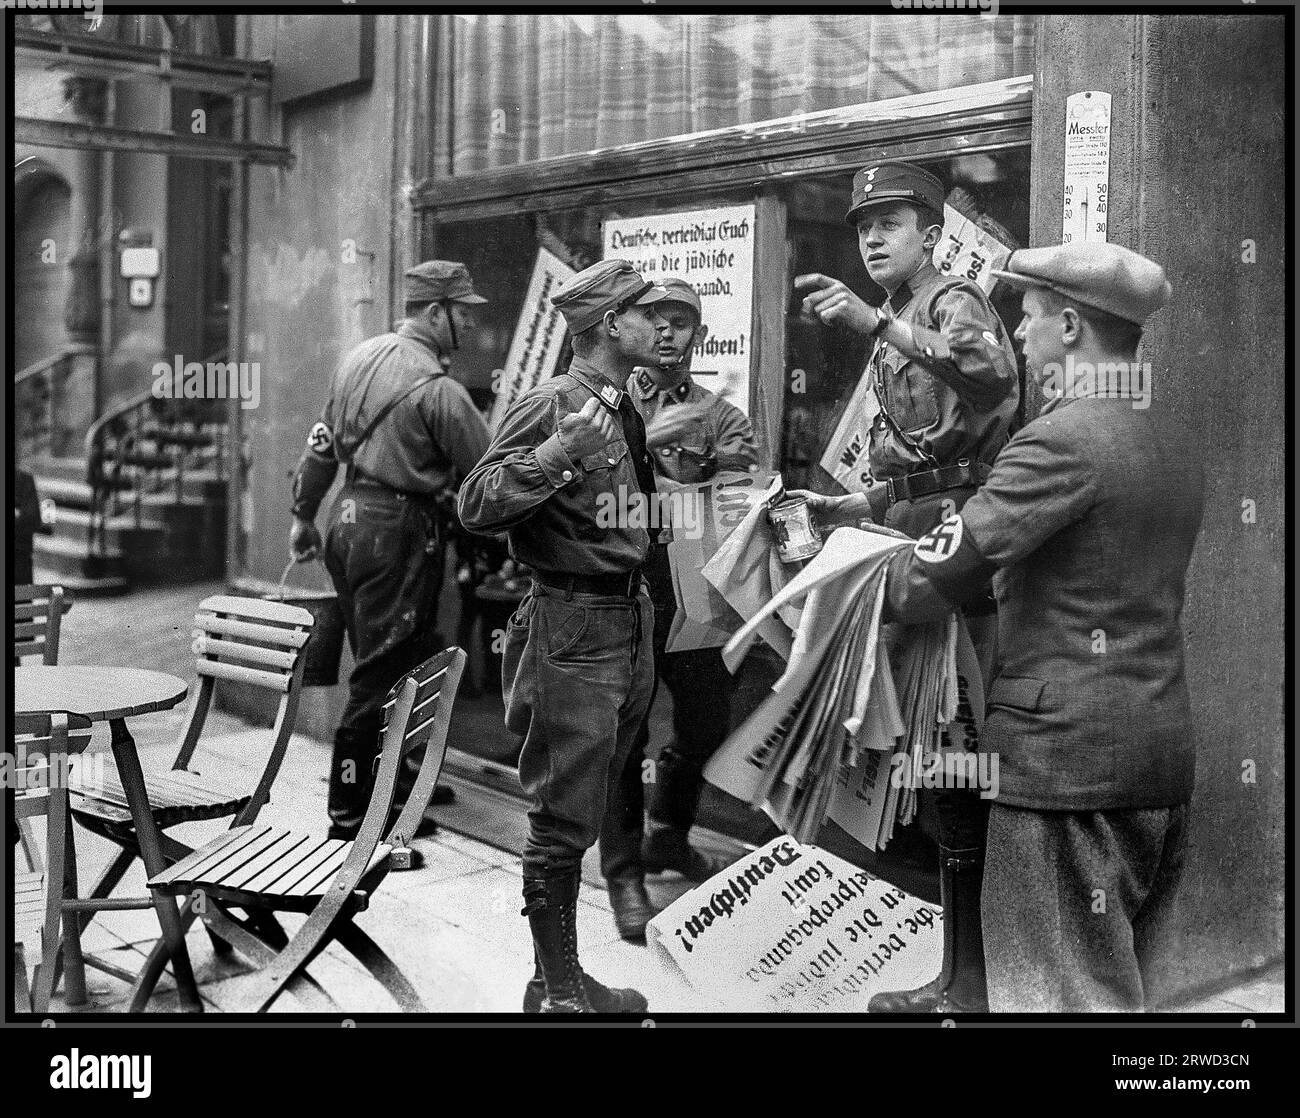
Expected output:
{"points": [[538, 86], [820, 366]]}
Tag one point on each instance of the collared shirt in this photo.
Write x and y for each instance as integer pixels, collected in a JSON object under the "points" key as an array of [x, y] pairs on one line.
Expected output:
{"points": [[434, 434], [719, 436], [564, 516], [955, 394]]}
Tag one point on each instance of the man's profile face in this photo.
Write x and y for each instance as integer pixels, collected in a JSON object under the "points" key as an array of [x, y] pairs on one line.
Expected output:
{"points": [[891, 245], [1040, 333], [641, 331], [677, 347]]}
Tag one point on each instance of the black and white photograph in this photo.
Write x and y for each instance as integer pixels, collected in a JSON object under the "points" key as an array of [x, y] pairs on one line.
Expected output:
{"points": [[651, 514]]}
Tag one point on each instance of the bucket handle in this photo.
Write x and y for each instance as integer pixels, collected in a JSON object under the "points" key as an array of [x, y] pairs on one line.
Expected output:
{"points": [[284, 577]]}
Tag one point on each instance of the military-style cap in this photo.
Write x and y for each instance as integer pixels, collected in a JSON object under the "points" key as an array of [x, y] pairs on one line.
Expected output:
{"points": [[605, 286], [438, 280], [894, 182], [679, 291], [1109, 277]]}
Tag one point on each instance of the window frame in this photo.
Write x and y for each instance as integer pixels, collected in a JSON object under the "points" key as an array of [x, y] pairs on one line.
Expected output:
{"points": [[986, 117]]}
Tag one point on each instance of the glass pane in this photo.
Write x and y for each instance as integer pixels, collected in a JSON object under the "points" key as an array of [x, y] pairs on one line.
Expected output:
{"points": [[527, 87]]}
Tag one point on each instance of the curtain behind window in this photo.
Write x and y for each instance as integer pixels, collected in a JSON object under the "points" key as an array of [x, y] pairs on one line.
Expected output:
{"points": [[526, 87]]}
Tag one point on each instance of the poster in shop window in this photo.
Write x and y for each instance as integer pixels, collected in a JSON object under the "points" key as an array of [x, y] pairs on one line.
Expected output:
{"points": [[713, 251], [539, 336]]}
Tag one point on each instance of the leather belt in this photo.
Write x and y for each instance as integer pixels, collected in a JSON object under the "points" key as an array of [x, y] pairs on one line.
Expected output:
{"points": [[616, 586], [926, 482], [356, 479]]}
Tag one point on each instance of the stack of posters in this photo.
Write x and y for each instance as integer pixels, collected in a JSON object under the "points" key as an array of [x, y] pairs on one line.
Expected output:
{"points": [[850, 730]]}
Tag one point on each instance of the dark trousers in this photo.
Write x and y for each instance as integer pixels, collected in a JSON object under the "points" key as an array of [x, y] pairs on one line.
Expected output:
{"points": [[382, 553], [577, 673], [1076, 904], [701, 690], [962, 815]]}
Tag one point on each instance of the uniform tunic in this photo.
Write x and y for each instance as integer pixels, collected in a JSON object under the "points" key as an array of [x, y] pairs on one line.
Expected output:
{"points": [[955, 394], [717, 438], [383, 547], [577, 668]]}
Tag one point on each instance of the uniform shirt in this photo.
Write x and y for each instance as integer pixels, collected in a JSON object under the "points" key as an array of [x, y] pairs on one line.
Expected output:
{"points": [[718, 438], [955, 394], [434, 435], [1088, 519], [564, 517]]}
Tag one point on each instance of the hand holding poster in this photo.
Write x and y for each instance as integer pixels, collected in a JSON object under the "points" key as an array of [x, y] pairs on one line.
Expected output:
{"points": [[793, 929]]}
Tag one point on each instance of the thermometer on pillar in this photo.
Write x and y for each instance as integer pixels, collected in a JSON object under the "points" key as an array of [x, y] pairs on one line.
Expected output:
{"points": [[1087, 167]]}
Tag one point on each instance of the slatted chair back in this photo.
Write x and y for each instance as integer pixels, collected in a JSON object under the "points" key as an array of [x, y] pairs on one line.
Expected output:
{"points": [[38, 615], [255, 643], [38, 780], [268, 869], [437, 682]]}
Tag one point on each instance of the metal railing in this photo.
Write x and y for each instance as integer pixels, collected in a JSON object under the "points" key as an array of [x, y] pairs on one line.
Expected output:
{"points": [[38, 398], [146, 445]]}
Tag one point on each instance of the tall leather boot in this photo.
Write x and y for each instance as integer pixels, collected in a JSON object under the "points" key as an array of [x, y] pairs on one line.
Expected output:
{"points": [[551, 905], [960, 986], [603, 999]]}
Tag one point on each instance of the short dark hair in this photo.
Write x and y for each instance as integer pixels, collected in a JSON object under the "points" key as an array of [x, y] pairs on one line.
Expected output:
{"points": [[927, 216], [584, 342], [1117, 334]]}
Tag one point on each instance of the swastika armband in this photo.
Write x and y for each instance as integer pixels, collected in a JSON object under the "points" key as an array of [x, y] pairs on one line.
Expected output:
{"points": [[941, 542], [943, 570], [320, 440]]}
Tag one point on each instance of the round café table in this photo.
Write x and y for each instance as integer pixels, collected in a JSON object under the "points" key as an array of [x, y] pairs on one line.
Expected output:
{"points": [[113, 695]]}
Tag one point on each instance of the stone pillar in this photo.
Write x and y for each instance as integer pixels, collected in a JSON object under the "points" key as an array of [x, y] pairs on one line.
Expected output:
{"points": [[1197, 177], [76, 397]]}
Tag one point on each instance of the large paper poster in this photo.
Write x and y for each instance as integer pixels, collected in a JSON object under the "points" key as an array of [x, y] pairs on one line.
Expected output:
{"points": [[713, 251], [793, 929], [539, 336]]}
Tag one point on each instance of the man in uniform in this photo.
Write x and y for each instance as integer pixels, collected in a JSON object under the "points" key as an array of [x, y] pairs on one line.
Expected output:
{"points": [[406, 431], [944, 374], [692, 434], [577, 667], [1088, 519]]}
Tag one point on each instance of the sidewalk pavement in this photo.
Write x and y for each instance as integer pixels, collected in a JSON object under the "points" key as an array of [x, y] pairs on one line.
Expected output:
{"points": [[453, 927]]}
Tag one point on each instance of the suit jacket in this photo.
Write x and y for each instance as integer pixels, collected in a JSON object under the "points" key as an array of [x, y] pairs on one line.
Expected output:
{"points": [[1087, 524]]}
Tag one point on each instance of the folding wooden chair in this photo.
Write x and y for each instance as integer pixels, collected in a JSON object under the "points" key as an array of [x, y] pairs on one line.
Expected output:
{"points": [[244, 641], [39, 788], [38, 618], [262, 869]]}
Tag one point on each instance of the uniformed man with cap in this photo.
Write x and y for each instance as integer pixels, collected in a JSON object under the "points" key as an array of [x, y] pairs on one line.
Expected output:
{"points": [[692, 434], [944, 375], [406, 432], [1087, 524], [577, 667]]}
